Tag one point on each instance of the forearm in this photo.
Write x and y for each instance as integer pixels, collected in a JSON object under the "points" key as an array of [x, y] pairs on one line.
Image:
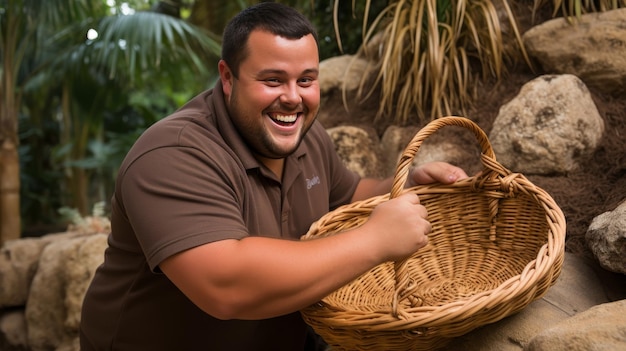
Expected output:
{"points": [[424, 174], [270, 277], [370, 187]]}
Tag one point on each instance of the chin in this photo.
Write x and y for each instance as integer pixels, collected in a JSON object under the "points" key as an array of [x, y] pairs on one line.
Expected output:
{"points": [[276, 153]]}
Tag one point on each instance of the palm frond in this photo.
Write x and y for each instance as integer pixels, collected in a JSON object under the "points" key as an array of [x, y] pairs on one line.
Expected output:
{"points": [[129, 45], [149, 40], [57, 13]]}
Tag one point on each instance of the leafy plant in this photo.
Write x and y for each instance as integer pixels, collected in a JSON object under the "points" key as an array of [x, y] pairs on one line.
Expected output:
{"points": [[52, 73], [427, 53], [346, 35]]}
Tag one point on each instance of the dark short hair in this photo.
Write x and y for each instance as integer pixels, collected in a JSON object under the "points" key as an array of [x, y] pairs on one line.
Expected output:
{"points": [[276, 18]]}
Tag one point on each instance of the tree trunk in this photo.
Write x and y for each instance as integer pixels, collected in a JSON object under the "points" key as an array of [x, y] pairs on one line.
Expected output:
{"points": [[75, 132], [10, 223], [10, 217]]}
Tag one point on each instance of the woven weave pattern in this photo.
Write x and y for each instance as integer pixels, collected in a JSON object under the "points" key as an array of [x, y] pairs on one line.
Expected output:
{"points": [[497, 243]]}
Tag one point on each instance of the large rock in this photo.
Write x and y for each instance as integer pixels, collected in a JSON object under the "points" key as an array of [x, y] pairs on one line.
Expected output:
{"points": [[393, 143], [359, 150], [592, 48], [440, 146], [363, 153], [339, 80], [602, 327], [13, 331], [606, 237], [548, 128], [18, 264], [66, 268], [341, 72]]}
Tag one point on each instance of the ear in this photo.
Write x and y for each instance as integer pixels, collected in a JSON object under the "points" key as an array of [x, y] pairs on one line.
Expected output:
{"points": [[226, 76]]}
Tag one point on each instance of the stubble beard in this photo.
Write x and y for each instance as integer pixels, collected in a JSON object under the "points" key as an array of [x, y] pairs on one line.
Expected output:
{"points": [[255, 134]]}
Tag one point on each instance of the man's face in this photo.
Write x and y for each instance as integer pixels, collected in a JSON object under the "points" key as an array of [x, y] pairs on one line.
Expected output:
{"points": [[276, 97]]}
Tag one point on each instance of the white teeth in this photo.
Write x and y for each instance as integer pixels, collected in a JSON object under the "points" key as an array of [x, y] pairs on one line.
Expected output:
{"points": [[286, 118]]}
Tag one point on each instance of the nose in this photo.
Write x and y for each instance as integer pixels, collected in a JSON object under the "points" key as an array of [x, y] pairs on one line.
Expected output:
{"points": [[291, 95]]}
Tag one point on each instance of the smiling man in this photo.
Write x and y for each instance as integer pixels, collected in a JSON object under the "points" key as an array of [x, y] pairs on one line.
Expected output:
{"points": [[278, 84], [210, 202]]}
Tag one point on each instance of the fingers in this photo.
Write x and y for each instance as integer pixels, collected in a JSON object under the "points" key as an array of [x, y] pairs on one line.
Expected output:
{"points": [[414, 199], [441, 172], [425, 240], [404, 222], [456, 174], [426, 228], [422, 212], [410, 197]]}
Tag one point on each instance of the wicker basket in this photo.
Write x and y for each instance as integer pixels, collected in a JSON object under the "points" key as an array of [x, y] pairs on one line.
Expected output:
{"points": [[497, 243]]}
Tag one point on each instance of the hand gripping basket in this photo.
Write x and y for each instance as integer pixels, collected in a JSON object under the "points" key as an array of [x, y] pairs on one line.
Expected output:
{"points": [[497, 243]]}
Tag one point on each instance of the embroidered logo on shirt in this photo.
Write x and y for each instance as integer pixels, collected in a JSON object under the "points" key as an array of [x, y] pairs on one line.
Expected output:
{"points": [[311, 182]]}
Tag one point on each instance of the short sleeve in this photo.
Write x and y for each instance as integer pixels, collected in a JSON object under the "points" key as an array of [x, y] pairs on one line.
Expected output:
{"points": [[176, 198]]}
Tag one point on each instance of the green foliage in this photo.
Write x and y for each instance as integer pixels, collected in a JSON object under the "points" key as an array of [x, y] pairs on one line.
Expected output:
{"points": [[161, 42], [346, 35], [76, 219], [40, 178], [86, 101]]}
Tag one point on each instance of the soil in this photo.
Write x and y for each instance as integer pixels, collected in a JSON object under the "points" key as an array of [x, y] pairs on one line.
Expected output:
{"points": [[600, 183]]}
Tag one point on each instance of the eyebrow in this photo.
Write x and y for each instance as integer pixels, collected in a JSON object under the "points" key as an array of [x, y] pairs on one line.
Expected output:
{"points": [[279, 71]]}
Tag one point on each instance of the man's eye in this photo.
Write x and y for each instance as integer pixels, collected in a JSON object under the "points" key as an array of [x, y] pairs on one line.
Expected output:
{"points": [[305, 81]]}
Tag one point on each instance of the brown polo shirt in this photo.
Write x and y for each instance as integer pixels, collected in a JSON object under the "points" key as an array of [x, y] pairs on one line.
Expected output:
{"points": [[190, 180]]}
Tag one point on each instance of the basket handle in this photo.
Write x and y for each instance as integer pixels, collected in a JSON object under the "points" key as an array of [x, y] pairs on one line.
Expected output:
{"points": [[404, 164], [492, 170]]}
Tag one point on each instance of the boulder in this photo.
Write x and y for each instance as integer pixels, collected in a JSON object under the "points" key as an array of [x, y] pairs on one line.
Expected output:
{"points": [[592, 48], [601, 327], [548, 128], [66, 268], [606, 238], [359, 150], [18, 264]]}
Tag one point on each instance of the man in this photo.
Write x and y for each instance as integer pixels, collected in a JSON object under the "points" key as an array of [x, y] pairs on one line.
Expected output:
{"points": [[210, 202]]}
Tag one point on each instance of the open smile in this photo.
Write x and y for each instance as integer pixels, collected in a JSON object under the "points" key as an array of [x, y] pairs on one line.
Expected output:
{"points": [[284, 120]]}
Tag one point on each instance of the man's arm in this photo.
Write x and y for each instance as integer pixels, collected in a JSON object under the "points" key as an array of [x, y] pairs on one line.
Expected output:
{"points": [[258, 277], [424, 174]]}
